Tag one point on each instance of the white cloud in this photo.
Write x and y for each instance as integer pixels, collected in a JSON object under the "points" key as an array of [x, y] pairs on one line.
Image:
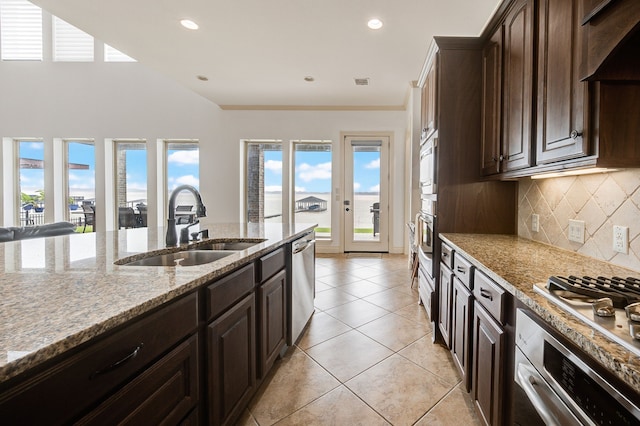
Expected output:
{"points": [[375, 164], [356, 186], [300, 189], [375, 188], [184, 157], [187, 180], [307, 172], [36, 145], [273, 188], [273, 165]]}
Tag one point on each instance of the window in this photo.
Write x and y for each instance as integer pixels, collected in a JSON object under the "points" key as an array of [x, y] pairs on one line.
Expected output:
{"points": [[81, 177], [20, 31], [263, 181], [183, 168], [71, 44], [131, 173], [113, 55], [312, 185], [31, 182]]}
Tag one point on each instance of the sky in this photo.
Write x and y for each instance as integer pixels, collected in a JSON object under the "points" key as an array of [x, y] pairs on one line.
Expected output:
{"points": [[313, 171]]}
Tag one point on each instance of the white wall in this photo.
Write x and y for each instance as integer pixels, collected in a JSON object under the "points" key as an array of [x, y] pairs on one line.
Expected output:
{"points": [[100, 101], [296, 125]]}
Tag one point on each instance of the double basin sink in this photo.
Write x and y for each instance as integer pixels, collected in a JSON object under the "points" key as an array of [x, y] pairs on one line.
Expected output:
{"points": [[196, 254]]}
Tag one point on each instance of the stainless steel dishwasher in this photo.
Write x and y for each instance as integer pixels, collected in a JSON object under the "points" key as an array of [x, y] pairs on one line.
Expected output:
{"points": [[302, 284]]}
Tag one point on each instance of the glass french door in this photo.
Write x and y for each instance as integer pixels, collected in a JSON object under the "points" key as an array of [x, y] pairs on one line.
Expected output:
{"points": [[366, 187]]}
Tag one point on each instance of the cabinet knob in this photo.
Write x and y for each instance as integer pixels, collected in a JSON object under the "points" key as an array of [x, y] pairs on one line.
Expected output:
{"points": [[502, 157], [575, 134]]}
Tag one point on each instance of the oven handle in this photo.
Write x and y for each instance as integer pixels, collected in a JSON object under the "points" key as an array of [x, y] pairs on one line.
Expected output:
{"points": [[548, 405]]}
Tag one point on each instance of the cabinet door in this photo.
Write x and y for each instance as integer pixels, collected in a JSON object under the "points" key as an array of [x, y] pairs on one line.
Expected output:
{"points": [[461, 331], [561, 94], [231, 361], [430, 100], [488, 357], [491, 103], [273, 320], [444, 304], [518, 86]]}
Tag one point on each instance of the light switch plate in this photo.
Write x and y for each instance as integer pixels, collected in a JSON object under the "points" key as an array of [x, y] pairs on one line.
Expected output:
{"points": [[535, 222], [621, 239], [576, 231]]}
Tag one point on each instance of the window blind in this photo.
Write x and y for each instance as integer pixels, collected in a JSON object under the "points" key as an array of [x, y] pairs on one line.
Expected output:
{"points": [[111, 54], [71, 44], [20, 31]]}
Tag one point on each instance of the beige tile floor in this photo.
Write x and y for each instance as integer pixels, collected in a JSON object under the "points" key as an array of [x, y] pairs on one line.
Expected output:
{"points": [[366, 357]]}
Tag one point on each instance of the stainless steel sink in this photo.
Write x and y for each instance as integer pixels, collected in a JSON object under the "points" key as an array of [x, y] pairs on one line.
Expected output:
{"points": [[228, 245], [181, 258]]}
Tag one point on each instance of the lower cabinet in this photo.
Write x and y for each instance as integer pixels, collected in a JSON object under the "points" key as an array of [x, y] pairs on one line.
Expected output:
{"points": [[488, 366], [272, 296], [444, 305], [231, 359], [461, 327]]}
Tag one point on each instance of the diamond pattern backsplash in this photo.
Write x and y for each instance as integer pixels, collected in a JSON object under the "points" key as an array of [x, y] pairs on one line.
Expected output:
{"points": [[600, 200]]}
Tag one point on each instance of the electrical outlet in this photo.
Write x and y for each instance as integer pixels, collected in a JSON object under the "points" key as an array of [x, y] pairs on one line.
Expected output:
{"points": [[535, 222], [576, 231], [621, 239]]}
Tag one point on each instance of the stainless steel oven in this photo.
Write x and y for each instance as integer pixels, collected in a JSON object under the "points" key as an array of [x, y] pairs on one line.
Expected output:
{"points": [[425, 224], [428, 166], [558, 385]]}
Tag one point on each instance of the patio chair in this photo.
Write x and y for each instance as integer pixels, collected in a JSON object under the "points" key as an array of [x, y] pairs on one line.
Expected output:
{"points": [[184, 215], [126, 217], [89, 216]]}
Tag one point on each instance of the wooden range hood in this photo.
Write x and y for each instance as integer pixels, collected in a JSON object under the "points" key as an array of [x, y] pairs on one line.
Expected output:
{"points": [[612, 34]]}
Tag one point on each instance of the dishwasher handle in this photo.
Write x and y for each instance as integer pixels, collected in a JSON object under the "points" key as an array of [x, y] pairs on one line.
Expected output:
{"points": [[302, 245]]}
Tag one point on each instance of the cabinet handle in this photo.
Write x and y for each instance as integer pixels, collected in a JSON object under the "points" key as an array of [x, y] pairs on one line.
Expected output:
{"points": [[501, 157], [462, 270], [117, 364], [575, 134], [486, 294]]}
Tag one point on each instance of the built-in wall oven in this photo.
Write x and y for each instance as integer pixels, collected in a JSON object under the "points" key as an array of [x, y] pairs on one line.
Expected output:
{"points": [[425, 228], [428, 166], [558, 385]]}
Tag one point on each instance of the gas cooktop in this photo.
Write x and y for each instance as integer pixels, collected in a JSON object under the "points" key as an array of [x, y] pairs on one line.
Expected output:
{"points": [[601, 303]]}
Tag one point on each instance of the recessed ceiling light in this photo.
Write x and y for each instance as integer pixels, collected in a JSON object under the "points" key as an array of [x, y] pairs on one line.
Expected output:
{"points": [[202, 78], [309, 78], [189, 24], [374, 24]]}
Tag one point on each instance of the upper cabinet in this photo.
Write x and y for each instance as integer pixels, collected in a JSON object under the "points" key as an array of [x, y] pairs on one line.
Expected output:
{"points": [[561, 96], [429, 111], [561, 85]]}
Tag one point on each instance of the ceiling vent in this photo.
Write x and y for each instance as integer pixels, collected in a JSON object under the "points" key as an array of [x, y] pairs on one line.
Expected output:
{"points": [[361, 81]]}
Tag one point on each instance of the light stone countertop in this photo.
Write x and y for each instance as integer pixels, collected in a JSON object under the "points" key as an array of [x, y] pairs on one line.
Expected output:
{"points": [[59, 292], [517, 263]]}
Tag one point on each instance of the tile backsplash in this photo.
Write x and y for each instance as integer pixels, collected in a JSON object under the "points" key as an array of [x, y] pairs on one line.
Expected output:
{"points": [[600, 200]]}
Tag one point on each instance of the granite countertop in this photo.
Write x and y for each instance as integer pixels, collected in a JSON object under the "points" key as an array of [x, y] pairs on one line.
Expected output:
{"points": [[60, 292], [517, 263]]}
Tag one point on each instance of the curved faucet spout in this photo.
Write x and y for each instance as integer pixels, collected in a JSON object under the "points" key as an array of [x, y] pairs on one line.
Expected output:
{"points": [[201, 211]]}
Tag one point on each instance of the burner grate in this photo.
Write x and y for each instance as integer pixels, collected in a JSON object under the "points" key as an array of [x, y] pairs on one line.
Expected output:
{"points": [[622, 291]]}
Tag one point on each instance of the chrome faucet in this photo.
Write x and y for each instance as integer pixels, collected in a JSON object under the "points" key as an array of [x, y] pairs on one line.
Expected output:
{"points": [[201, 211]]}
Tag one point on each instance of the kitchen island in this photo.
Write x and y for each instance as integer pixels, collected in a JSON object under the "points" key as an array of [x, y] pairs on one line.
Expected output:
{"points": [[61, 294], [516, 264]]}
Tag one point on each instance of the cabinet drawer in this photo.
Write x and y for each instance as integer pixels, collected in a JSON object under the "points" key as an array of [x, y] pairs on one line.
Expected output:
{"points": [[164, 393], [490, 295], [446, 255], [225, 291], [63, 392], [270, 264], [463, 269]]}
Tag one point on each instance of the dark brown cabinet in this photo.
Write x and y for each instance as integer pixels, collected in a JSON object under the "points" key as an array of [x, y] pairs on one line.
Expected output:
{"points": [[461, 326], [517, 91], [491, 139], [561, 96], [429, 112], [444, 304], [231, 361], [135, 364], [488, 366], [272, 296]]}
